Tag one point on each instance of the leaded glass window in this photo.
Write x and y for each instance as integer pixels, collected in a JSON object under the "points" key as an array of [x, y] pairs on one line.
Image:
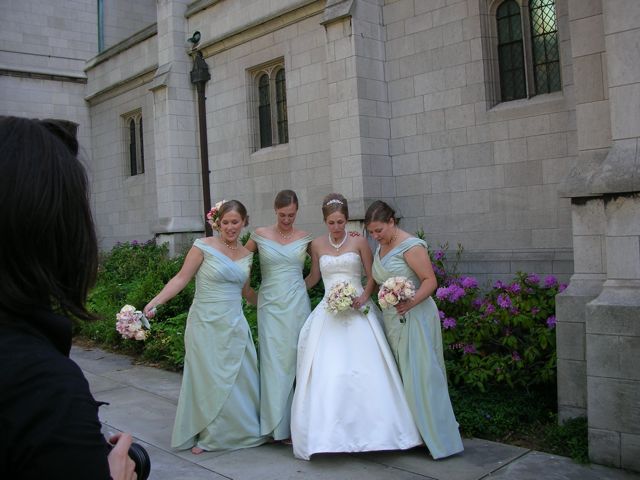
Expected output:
{"points": [[544, 45], [510, 51], [527, 48], [133, 163], [134, 142], [269, 96], [281, 102], [264, 111], [141, 148]]}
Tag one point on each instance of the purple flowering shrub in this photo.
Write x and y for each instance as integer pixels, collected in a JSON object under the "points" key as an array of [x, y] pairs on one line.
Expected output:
{"points": [[504, 336]]}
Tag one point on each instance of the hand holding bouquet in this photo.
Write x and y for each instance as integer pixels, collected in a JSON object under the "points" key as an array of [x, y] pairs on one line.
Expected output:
{"points": [[395, 290], [341, 296], [132, 323]]}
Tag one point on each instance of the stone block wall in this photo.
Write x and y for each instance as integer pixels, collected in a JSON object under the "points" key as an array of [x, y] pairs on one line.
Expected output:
{"points": [[239, 167], [467, 169]]}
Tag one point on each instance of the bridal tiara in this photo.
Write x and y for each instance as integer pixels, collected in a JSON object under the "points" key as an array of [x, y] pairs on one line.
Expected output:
{"points": [[332, 201]]}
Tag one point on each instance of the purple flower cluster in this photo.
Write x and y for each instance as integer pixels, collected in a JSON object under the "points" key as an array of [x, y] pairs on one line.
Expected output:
{"points": [[514, 288], [532, 279], [448, 323], [452, 293], [551, 321], [504, 301], [468, 282], [438, 254], [469, 349], [550, 281]]}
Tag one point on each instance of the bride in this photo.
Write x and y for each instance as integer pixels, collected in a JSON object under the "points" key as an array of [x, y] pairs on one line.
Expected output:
{"points": [[348, 396]]}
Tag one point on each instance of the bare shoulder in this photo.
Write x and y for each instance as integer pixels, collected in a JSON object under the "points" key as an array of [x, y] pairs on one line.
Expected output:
{"points": [[262, 231]]}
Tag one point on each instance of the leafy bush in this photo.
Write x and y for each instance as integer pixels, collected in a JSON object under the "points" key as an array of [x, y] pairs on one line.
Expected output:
{"points": [[506, 336], [133, 273]]}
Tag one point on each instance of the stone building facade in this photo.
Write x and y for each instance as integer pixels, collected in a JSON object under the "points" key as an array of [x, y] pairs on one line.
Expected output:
{"points": [[411, 101]]}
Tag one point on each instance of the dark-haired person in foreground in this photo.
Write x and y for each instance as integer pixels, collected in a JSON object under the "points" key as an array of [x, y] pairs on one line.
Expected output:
{"points": [[49, 425]]}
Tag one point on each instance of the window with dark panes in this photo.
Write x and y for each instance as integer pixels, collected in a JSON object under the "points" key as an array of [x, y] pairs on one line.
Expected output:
{"points": [[270, 97], [528, 48]]}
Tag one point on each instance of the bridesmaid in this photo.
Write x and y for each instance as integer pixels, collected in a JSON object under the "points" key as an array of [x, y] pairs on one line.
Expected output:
{"points": [[219, 397], [417, 342], [283, 306]]}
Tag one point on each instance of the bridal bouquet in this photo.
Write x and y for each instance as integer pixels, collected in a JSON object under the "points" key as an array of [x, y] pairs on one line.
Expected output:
{"points": [[395, 290], [132, 323], [341, 297]]}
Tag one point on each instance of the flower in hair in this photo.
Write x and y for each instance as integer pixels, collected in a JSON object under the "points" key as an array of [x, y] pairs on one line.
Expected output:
{"points": [[214, 214], [332, 201]]}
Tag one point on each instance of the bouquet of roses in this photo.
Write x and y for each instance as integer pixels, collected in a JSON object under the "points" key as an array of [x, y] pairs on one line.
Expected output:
{"points": [[132, 323], [341, 297], [395, 290], [213, 214]]}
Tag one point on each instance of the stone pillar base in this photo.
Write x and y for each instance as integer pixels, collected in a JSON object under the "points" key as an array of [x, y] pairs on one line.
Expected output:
{"points": [[178, 243], [613, 376]]}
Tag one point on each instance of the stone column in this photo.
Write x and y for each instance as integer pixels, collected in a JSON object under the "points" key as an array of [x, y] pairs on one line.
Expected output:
{"points": [[613, 318], [358, 108], [178, 177], [587, 209]]}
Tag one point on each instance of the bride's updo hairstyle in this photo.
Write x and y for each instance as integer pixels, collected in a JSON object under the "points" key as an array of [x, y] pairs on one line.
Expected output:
{"points": [[233, 206], [334, 202], [380, 211], [284, 198]]}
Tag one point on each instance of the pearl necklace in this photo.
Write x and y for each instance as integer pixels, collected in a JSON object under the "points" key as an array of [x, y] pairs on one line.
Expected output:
{"points": [[338, 245], [286, 237], [228, 245]]}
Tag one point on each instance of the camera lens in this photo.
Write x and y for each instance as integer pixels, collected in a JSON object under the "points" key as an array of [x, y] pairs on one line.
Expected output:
{"points": [[140, 457]]}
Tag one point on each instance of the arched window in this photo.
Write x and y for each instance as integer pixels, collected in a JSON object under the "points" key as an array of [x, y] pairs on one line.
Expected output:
{"points": [[544, 45], [141, 148], [271, 98], [510, 51], [528, 48], [281, 102], [134, 140], [264, 111], [133, 162]]}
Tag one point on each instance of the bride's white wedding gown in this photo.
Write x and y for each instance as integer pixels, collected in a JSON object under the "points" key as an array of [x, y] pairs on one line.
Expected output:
{"points": [[349, 395]]}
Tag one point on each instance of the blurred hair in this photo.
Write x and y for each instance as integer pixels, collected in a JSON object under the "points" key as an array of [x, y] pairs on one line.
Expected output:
{"points": [[284, 198], [233, 206], [334, 202], [48, 249], [380, 211]]}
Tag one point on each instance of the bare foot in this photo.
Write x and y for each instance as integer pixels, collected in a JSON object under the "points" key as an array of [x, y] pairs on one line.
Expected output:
{"points": [[287, 441], [197, 450]]}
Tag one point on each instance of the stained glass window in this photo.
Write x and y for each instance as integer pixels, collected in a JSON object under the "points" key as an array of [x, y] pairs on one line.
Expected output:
{"points": [[281, 102], [264, 111], [510, 51], [544, 46]]}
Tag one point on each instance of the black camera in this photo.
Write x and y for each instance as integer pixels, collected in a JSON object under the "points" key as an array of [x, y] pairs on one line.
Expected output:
{"points": [[141, 458]]}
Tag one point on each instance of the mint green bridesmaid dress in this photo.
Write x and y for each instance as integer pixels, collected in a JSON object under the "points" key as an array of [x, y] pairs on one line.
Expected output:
{"points": [[417, 346], [283, 307], [218, 408]]}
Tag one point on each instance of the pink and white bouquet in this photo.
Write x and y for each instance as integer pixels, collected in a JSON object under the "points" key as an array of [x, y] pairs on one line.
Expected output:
{"points": [[341, 297], [214, 214], [395, 290], [132, 324]]}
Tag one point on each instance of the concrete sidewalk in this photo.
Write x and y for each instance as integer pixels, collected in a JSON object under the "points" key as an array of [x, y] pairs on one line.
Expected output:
{"points": [[142, 400]]}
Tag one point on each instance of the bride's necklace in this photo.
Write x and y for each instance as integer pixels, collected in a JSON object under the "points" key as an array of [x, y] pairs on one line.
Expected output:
{"points": [[283, 235], [228, 245], [338, 245]]}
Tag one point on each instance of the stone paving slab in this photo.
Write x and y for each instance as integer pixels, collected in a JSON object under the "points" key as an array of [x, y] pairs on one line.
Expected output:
{"points": [[480, 458], [142, 401], [536, 465]]}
